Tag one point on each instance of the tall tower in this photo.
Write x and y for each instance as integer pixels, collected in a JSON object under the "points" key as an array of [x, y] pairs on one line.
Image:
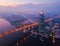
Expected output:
{"points": [[41, 22]]}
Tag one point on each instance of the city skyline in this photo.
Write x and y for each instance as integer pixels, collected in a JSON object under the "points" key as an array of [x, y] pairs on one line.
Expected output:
{"points": [[50, 7]]}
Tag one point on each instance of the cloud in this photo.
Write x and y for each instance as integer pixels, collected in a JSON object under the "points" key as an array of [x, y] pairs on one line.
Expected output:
{"points": [[7, 3], [17, 2]]}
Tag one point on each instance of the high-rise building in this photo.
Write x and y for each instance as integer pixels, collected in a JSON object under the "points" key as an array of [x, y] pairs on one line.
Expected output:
{"points": [[41, 22]]}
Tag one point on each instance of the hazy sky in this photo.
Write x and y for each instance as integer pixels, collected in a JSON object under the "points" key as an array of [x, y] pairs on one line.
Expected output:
{"points": [[16, 2]]}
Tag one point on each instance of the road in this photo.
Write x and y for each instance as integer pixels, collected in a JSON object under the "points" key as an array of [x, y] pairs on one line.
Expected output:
{"points": [[23, 28]]}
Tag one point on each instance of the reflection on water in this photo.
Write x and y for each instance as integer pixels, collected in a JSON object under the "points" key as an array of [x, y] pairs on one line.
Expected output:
{"points": [[5, 26]]}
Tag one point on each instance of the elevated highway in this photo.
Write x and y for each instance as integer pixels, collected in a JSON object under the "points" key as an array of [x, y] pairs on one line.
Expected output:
{"points": [[18, 33]]}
